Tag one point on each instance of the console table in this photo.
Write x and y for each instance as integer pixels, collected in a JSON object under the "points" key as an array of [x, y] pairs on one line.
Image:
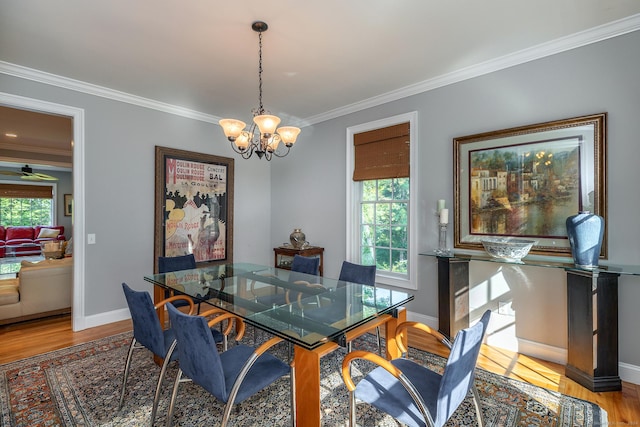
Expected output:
{"points": [[283, 256], [592, 308]]}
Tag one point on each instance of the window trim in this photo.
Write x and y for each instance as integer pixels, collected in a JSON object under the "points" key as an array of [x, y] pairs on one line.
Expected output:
{"points": [[352, 215]]}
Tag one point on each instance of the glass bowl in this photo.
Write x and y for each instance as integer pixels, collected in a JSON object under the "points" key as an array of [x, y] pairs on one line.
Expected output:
{"points": [[507, 249]]}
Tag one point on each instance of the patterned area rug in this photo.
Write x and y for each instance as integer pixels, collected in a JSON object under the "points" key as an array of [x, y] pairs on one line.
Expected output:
{"points": [[79, 386]]}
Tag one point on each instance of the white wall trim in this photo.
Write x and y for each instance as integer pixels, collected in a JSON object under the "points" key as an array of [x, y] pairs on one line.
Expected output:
{"points": [[430, 321], [77, 114], [106, 318], [104, 92], [583, 38], [542, 351], [352, 212], [573, 41], [629, 373]]}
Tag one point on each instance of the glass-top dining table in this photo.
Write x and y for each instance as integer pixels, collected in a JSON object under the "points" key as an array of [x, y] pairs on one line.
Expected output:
{"points": [[316, 314]]}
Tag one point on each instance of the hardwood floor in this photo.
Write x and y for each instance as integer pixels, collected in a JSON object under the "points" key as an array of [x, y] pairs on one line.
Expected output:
{"points": [[623, 407]]}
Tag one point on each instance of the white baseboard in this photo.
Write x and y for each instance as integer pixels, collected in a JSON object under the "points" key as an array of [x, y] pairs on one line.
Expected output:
{"points": [[105, 318], [542, 351], [628, 373], [432, 322]]}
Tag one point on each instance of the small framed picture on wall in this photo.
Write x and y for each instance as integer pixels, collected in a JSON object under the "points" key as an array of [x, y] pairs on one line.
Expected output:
{"points": [[68, 204]]}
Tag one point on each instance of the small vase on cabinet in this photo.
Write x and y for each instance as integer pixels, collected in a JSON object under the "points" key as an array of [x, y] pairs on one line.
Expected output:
{"points": [[298, 239], [585, 231]]}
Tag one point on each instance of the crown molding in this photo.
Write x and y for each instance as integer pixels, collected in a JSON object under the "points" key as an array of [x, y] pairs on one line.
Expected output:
{"points": [[101, 91], [583, 38]]}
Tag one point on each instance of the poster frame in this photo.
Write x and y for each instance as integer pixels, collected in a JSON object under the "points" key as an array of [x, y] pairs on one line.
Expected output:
{"points": [[162, 155]]}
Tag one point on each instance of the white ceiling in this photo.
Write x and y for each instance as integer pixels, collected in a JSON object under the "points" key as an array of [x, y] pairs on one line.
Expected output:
{"points": [[318, 56]]}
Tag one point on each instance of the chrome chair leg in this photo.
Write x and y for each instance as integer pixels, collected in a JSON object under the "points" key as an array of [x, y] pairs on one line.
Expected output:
{"points": [[352, 409], [476, 403], [293, 396], [174, 394], [156, 397], [127, 365]]}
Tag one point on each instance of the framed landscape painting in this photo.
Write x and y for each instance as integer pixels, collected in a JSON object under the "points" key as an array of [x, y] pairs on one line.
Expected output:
{"points": [[193, 205], [524, 182]]}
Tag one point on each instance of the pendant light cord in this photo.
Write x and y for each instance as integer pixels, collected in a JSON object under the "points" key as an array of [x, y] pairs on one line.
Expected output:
{"points": [[260, 108]]}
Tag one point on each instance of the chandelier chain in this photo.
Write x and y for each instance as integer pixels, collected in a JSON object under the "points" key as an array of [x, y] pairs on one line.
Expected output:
{"points": [[260, 107], [263, 137]]}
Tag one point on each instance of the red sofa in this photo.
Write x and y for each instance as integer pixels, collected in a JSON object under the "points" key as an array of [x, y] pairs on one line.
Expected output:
{"points": [[22, 241]]}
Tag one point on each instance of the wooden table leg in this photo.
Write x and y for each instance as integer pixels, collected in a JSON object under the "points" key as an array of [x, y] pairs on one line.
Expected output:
{"points": [[158, 295], [306, 365], [307, 383], [390, 334]]}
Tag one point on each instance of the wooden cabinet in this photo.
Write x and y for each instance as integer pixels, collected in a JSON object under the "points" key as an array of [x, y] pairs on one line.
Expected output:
{"points": [[283, 256]]}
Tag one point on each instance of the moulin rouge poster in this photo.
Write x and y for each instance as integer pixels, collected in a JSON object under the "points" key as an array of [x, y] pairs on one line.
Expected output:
{"points": [[195, 203]]}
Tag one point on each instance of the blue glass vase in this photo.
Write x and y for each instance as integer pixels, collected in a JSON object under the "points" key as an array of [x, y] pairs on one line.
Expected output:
{"points": [[585, 231]]}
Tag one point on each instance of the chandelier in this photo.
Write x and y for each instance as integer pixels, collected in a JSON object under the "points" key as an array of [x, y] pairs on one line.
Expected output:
{"points": [[268, 139]]}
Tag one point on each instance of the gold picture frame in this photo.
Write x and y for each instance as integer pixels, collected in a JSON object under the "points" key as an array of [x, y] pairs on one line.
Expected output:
{"points": [[525, 181]]}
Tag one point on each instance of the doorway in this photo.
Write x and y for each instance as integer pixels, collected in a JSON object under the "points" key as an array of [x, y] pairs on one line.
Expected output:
{"points": [[76, 115]]}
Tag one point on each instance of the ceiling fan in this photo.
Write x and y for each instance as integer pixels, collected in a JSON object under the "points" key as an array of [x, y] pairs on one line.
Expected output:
{"points": [[28, 174]]}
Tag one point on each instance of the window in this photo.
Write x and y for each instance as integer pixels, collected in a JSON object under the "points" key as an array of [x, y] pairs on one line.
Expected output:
{"points": [[384, 213], [26, 205], [381, 214]]}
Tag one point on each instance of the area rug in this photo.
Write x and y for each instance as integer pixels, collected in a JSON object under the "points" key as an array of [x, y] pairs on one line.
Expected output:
{"points": [[80, 386]]}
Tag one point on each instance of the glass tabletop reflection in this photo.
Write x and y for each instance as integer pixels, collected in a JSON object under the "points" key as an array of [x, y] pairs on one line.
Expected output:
{"points": [[304, 309]]}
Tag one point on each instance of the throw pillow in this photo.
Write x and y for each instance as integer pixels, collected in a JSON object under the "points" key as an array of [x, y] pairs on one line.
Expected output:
{"points": [[48, 233]]}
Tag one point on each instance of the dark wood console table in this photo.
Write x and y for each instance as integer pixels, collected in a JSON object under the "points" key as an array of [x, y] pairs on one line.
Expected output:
{"points": [[283, 256], [592, 314]]}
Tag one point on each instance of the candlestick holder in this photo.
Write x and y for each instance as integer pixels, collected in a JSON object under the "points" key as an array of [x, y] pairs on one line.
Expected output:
{"points": [[443, 249]]}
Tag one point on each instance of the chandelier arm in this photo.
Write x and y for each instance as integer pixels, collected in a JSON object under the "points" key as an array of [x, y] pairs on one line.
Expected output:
{"points": [[275, 153], [245, 153], [257, 142]]}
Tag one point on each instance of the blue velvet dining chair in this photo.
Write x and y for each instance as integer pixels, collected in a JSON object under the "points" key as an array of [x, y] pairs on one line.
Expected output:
{"points": [[176, 263], [149, 334], [412, 393], [167, 264], [300, 264], [349, 272], [231, 376]]}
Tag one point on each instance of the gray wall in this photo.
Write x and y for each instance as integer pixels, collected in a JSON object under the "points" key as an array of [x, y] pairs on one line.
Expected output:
{"points": [[119, 148], [308, 190]]}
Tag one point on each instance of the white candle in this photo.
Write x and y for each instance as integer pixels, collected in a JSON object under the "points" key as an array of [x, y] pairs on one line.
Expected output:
{"points": [[444, 216], [440, 204]]}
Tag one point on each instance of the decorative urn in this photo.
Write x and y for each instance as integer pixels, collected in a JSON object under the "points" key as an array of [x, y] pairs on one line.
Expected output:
{"points": [[585, 231], [298, 239]]}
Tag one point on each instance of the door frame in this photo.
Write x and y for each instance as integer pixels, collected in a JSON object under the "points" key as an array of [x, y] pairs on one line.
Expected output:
{"points": [[77, 115]]}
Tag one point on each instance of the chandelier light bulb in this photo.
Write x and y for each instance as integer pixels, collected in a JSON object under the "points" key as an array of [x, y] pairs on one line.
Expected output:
{"points": [[288, 134], [267, 124], [232, 128], [242, 141], [272, 143]]}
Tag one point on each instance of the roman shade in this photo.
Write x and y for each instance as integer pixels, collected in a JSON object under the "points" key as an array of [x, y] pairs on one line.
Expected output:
{"points": [[382, 153], [16, 191]]}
